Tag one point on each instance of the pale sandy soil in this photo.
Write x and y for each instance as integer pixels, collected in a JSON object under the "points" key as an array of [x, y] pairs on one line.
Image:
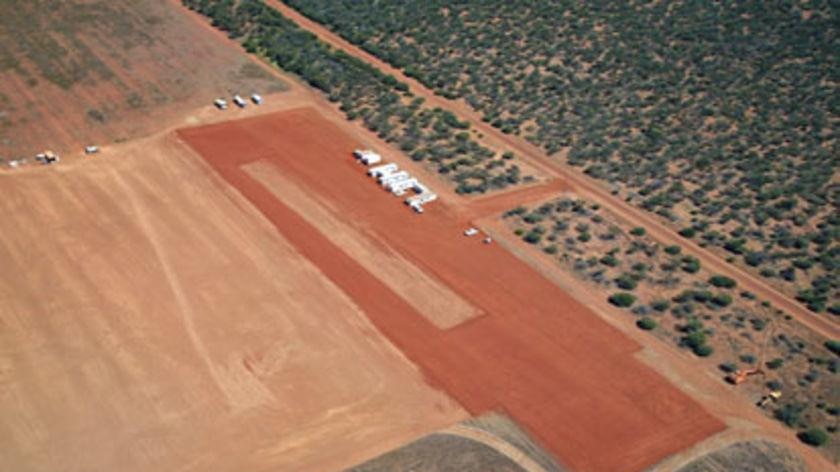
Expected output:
{"points": [[436, 301], [151, 319]]}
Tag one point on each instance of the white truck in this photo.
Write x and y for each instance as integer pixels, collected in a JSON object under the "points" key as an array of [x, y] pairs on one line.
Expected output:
{"points": [[239, 101], [220, 103], [257, 99]]}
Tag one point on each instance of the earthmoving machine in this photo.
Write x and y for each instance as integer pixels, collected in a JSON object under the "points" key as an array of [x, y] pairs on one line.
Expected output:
{"points": [[738, 377]]}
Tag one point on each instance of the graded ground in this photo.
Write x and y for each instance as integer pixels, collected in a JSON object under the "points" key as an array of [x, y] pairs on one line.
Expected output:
{"points": [[79, 72], [567, 377], [152, 319]]}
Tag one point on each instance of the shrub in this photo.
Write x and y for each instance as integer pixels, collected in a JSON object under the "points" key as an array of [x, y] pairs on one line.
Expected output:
{"points": [[609, 260], [550, 249], [690, 264], [722, 300], [533, 237], [722, 281], [638, 231], [728, 367], [703, 350], [622, 299], [775, 363], [789, 413], [626, 282], [673, 250], [833, 346], [646, 323], [688, 232], [813, 437], [660, 305]]}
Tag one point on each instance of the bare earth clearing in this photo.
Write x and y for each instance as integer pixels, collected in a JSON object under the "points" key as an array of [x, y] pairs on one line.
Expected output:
{"points": [[151, 319], [80, 72], [566, 376]]}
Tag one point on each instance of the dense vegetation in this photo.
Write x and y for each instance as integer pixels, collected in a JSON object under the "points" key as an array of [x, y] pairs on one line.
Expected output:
{"points": [[672, 296], [363, 92], [719, 116]]}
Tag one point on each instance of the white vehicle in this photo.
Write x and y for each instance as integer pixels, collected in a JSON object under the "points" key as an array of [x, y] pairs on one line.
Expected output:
{"points": [[471, 232], [220, 103], [488, 240], [91, 149], [239, 101], [384, 169], [257, 99], [47, 157]]}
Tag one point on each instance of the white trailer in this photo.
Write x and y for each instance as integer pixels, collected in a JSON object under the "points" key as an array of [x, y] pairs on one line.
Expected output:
{"points": [[402, 185], [257, 99], [422, 198], [385, 180], [220, 103], [91, 149], [384, 169], [417, 207], [239, 101], [367, 157]]}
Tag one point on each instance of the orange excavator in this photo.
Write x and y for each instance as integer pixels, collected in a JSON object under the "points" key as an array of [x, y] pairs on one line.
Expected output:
{"points": [[738, 377]]}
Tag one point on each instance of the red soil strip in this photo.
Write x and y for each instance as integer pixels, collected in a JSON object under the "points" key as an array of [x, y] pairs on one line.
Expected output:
{"points": [[569, 378]]}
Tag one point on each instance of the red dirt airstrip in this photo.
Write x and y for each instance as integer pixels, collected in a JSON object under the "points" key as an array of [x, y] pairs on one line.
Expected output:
{"points": [[568, 377]]}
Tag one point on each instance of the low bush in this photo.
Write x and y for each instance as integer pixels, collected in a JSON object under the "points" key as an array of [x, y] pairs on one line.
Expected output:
{"points": [[646, 323], [622, 299], [722, 281], [813, 437]]}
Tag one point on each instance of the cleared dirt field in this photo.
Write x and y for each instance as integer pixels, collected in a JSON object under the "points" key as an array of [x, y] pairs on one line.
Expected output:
{"points": [[79, 72], [152, 319], [569, 378]]}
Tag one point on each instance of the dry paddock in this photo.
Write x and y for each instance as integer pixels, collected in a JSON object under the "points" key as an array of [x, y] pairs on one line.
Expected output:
{"points": [[152, 319], [569, 378]]}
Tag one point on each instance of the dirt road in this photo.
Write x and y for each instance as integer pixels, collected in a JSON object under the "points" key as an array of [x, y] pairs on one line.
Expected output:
{"points": [[578, 182]]}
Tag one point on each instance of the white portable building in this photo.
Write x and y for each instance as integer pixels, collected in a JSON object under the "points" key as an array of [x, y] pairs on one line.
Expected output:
{"points": [[385, 180], [384, 169]]}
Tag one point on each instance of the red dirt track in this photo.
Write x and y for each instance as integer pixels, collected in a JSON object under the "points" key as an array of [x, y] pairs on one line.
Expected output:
{"points": [[569, 378]]}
